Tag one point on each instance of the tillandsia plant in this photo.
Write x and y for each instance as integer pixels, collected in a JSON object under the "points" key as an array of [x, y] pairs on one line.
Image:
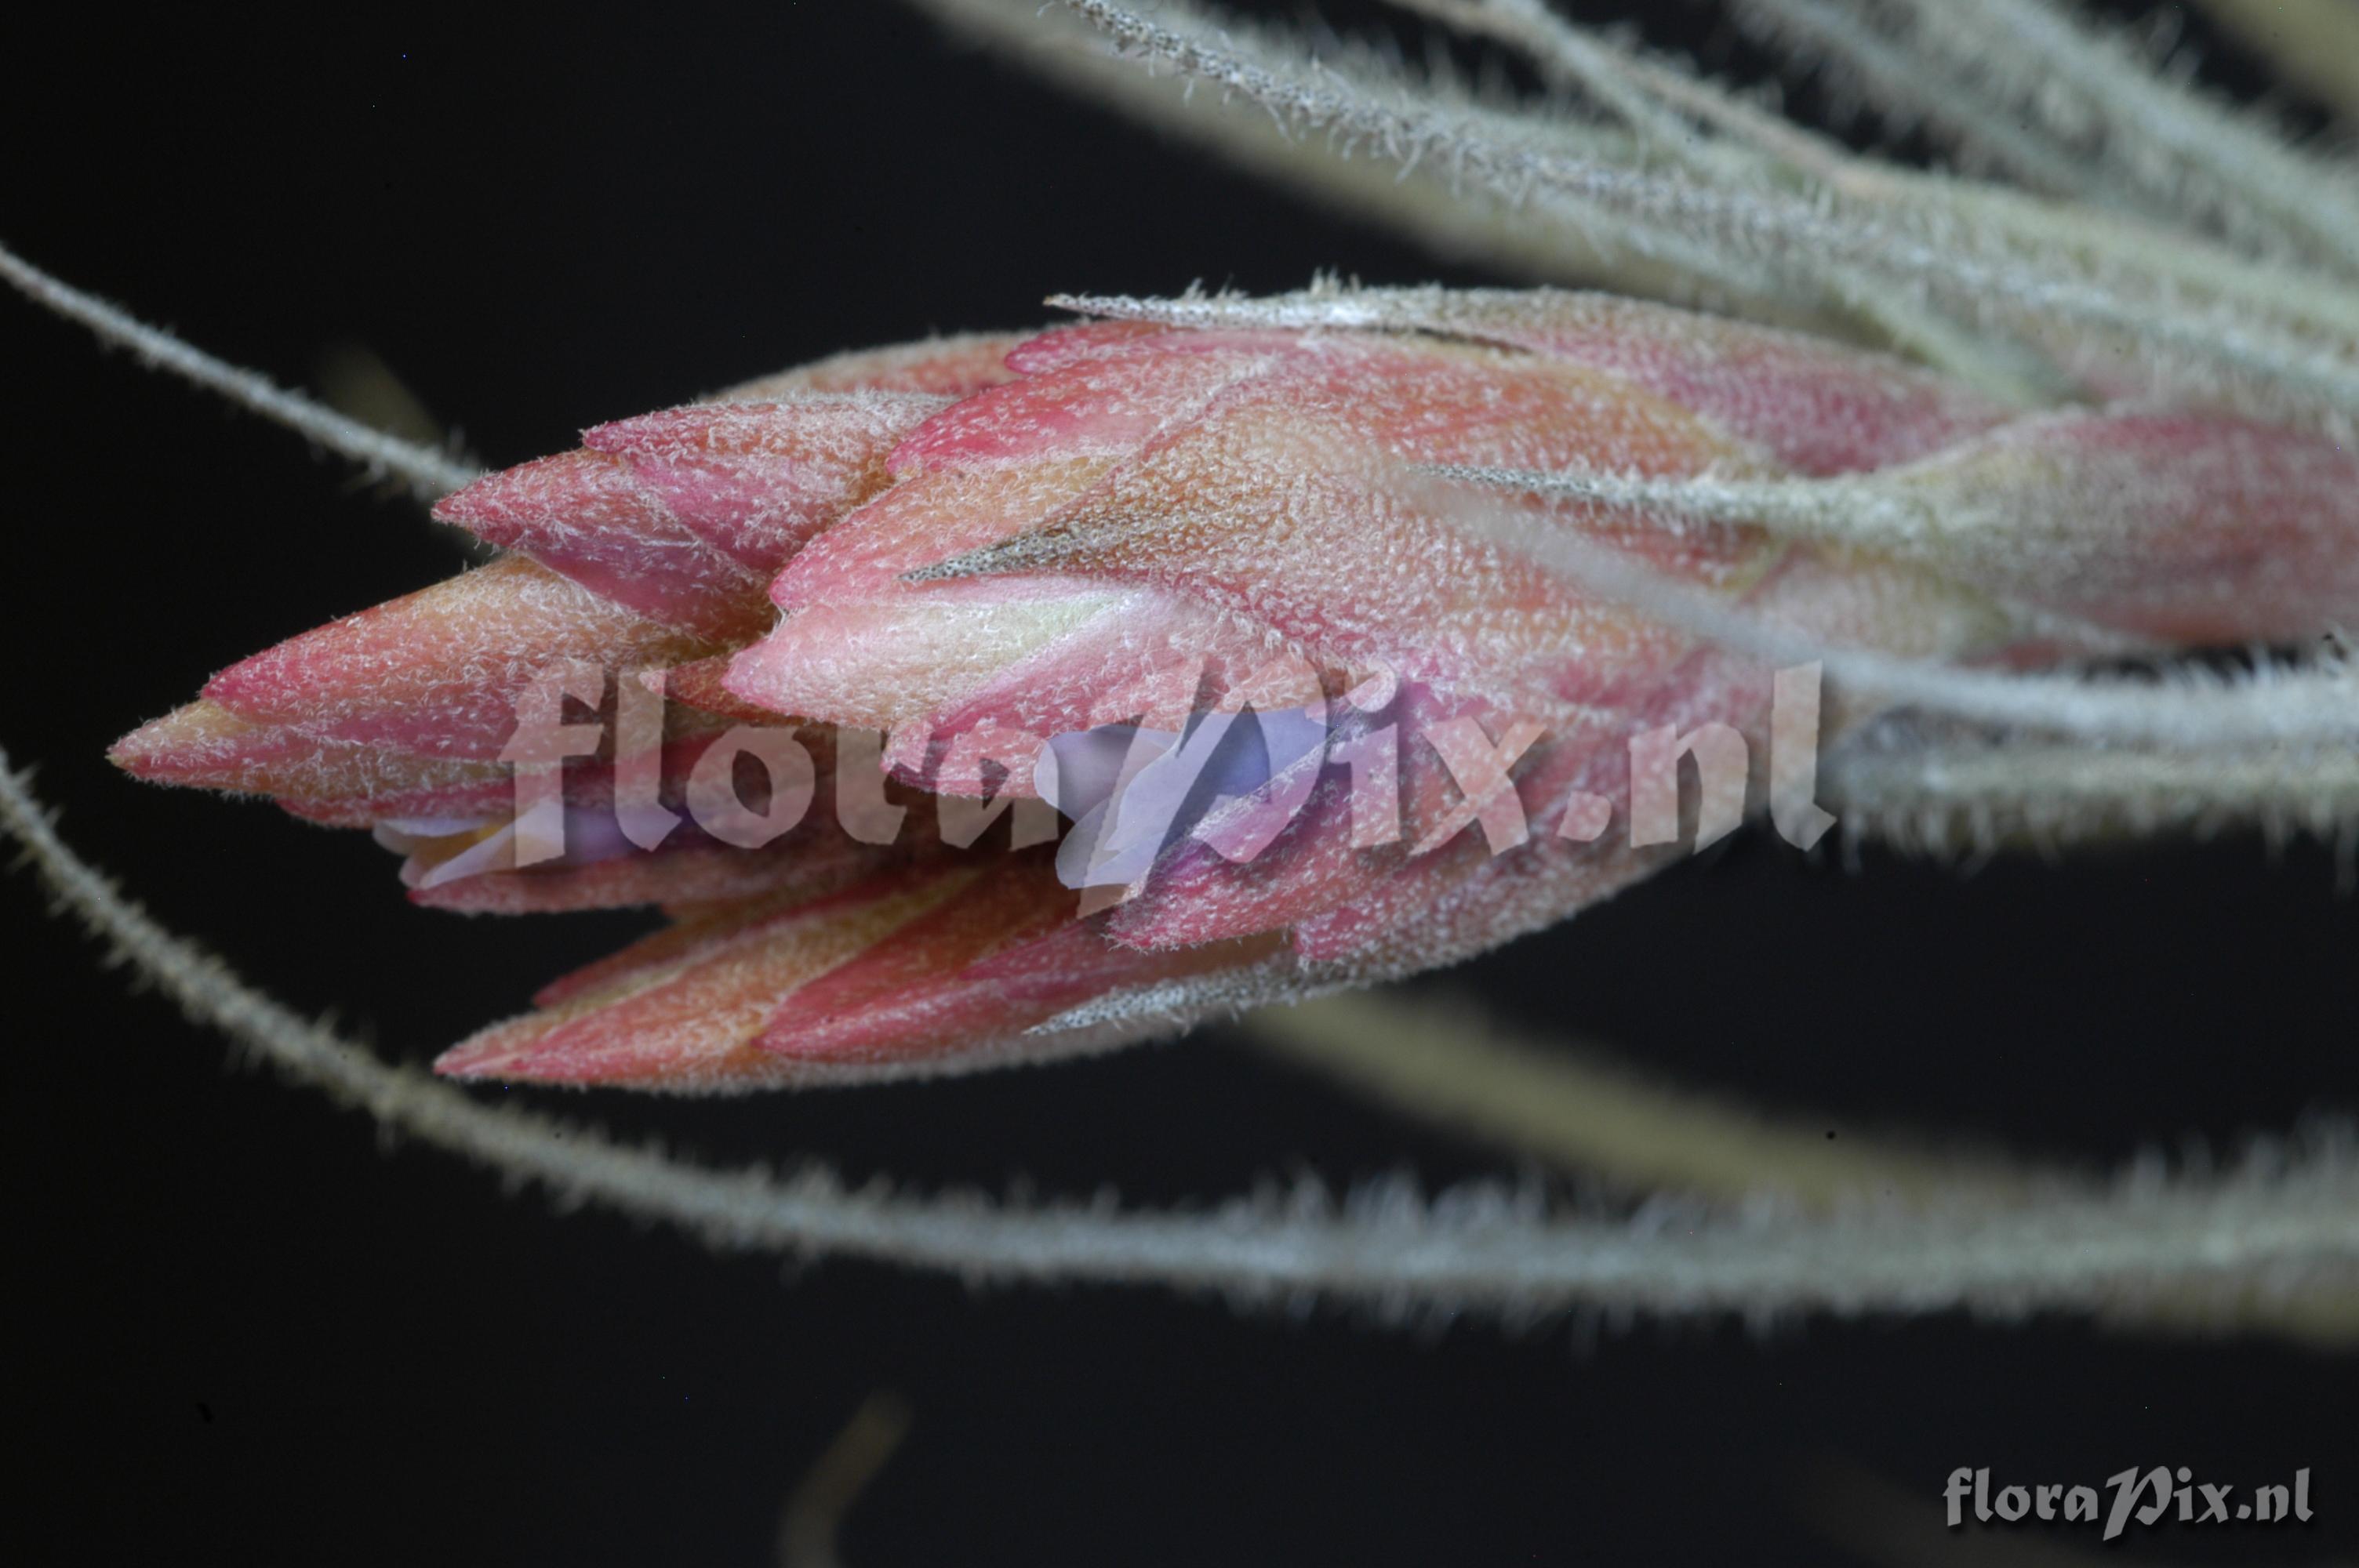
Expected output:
{"points": [[997, 697]]}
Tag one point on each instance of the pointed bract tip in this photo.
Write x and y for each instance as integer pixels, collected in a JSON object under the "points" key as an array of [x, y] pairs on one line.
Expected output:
{"points": [[200, 743]]}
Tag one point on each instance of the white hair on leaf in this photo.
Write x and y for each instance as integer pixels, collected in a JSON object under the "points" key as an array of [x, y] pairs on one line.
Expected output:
{"points": [[1499, 1251], [428, 472]]}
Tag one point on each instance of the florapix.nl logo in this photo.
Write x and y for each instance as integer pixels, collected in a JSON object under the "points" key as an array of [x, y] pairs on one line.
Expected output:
{"points": [[2163, 1494], [1232, 764]]}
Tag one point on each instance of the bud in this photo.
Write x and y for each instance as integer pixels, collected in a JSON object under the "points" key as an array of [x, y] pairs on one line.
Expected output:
{"points": [[1198, 588]]}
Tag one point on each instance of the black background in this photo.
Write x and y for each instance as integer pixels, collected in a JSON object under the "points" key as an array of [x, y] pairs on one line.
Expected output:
{"points": [[242, 1328]]}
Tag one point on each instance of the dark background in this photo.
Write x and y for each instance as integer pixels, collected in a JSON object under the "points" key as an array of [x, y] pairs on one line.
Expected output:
{"points": [[242, 1328]]}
